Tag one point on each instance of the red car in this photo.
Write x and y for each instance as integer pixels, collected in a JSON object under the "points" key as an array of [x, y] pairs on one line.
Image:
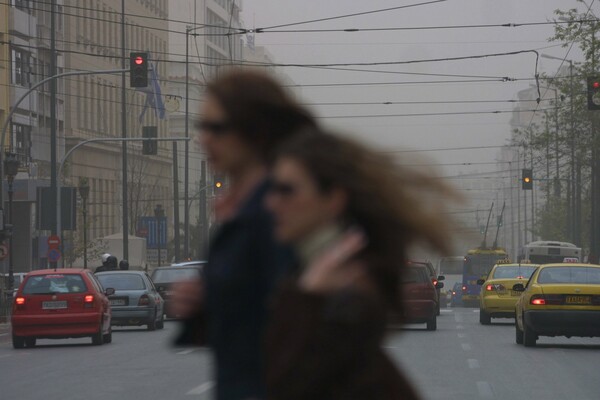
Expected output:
{"points": [[420, 297], [58, 304]]}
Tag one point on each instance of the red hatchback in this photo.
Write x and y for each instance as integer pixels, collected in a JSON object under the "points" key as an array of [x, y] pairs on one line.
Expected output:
{"points": [[420, 297], [58, 304]]}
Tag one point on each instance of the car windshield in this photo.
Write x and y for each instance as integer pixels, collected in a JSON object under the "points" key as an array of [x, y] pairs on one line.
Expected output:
{"points": [[54, 283], [513, 272], [175, 274], [578, 275], [122, 281]]}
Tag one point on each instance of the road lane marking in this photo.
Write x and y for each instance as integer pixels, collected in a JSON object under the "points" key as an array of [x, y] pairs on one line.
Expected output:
{"points": [[475, 310], [461, 335], [460, 327], [4, 334], [458, 318], [5, 355], [465, 346], [485, 390], [473, 363], [446, 311], [188, 351], [205, 387]]}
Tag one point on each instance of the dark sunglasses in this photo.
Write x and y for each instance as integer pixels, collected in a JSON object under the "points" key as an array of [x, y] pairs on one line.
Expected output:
{"points": [[282, 189], [214, 127]]}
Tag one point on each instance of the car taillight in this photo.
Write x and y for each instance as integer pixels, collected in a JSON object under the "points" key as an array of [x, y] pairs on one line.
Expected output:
{"points": [[434, 281], [88, 301], [453, 292], [20, 301], [464, 288], [497, 286], [144, 300], [538, 300]]}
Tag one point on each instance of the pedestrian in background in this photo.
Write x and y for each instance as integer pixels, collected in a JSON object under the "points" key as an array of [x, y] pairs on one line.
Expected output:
{"points": [[351, 216], [245, 117]]}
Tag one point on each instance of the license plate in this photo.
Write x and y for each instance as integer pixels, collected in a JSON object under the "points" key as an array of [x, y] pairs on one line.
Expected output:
{"points": [[117, 302], [54, 305], [578, 300], [516, 294]]}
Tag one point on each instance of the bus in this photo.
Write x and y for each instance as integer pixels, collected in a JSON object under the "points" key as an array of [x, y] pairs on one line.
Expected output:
{"points": [[452, 265], [477, 265], [545, 252]]}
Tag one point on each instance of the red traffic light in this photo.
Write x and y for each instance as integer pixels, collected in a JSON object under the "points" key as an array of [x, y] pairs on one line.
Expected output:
{"points": [[140, 60]]}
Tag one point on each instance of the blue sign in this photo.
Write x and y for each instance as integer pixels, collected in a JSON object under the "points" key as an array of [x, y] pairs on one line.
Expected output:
{"points": [[147, 229], [54, 255]]}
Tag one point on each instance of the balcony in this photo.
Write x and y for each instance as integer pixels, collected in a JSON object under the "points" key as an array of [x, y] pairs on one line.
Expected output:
{"points": [[22, 24]]}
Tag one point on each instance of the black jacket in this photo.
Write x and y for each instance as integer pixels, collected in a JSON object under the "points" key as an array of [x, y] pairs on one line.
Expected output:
{"points": [[244, 264]]}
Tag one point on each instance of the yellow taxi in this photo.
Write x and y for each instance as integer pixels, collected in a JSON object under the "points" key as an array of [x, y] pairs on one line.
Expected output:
{"points": [[559, 300], [497, 299]]}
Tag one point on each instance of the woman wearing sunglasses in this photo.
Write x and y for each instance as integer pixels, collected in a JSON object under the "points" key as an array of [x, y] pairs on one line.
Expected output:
{"points": [[245, 116], [351, 216]]}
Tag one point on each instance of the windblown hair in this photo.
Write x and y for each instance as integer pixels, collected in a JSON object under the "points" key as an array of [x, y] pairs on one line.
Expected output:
{"points": [[395, 206], [259, 109]]}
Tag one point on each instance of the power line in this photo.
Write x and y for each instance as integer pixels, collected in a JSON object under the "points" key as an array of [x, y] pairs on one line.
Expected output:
{"points": [[449, 149], [428, 114], [351, 15], [412, 28]]}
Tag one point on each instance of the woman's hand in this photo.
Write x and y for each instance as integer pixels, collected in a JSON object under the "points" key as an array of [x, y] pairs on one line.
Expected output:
{"points": [[187, 298], [331, 270]]}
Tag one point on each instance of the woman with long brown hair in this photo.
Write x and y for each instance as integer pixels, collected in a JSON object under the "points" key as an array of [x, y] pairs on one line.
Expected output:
{"points": [[245, 116], [351, 215]]}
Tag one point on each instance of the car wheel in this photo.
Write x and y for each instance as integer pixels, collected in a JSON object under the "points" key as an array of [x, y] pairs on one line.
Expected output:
{"points": [[30, 342], [161, 323], [18, 342], [529, 336], [518, 334], [432, 324], [484, 318], [438, 312], [98, 337], [108, 337], [152, 325]]}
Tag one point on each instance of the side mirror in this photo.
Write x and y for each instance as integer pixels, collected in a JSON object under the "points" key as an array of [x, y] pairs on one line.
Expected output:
{"points": [[439, 285], [109, 291], [480, 281], [441, 278], [518, 287]]}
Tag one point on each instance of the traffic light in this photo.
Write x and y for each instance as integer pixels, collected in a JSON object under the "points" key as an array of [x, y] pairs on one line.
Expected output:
{"points": [[593, 92], [218, 184], [527, 180], [138, 70], [150, 147]]}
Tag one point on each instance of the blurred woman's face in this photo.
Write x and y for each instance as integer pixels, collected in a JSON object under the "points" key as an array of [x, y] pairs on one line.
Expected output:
{"points": [[226, 150], [297, 204]]}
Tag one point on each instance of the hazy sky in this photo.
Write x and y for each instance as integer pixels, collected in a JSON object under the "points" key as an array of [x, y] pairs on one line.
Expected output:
{"points": [[414, 132]]}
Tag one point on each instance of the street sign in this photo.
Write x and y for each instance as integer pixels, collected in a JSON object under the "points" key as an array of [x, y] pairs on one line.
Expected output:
{"points": [[3, 252], [53, 241], [154, 238], [54, 255]]}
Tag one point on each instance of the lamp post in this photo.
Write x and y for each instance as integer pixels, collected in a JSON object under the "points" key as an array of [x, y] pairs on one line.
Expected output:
{"points": [[84, 192], [11, 168], [159, 213]]}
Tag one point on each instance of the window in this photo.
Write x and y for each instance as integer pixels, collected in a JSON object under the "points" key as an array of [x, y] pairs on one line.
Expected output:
{"points": [[21, 67], [120, 281], [54, 283], [22, 4], [21, 140]]}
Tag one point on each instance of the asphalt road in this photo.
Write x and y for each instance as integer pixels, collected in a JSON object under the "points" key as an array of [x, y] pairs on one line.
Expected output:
{"points": [[461, 360]]}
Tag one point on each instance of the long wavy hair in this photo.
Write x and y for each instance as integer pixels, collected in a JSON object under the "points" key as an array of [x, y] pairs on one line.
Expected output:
{"points": [[395, 206]]}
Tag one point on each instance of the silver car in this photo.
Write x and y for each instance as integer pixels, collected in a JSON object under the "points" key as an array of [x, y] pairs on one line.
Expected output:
{"points": [[136, 301]]}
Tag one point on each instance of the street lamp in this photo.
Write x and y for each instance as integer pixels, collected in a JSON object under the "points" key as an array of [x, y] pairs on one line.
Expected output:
{"points": [[11, 169], [159, 213], [84, 192]]}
